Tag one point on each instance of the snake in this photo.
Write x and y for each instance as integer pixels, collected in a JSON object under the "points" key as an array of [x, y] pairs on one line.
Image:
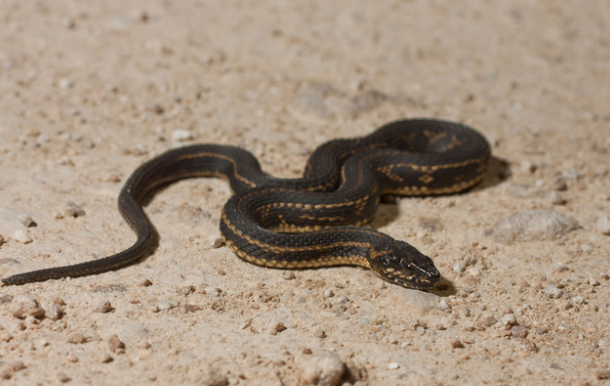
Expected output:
{"points": [[319, 219]]}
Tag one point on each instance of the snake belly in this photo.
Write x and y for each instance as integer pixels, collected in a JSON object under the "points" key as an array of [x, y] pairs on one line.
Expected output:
{"points": [[313, 221]]}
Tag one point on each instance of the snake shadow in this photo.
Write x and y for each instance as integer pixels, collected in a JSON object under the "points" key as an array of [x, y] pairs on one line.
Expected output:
{"points": [[388, 211]]}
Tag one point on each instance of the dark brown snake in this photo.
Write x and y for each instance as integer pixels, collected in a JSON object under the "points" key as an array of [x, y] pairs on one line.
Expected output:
{"points": [[313, 221]]}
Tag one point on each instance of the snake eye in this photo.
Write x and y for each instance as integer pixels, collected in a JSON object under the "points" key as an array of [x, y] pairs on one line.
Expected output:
{"points": [[406, 264]]}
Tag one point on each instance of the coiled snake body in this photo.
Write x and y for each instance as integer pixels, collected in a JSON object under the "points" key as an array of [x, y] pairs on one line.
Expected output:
{"points": [[316, 220]]}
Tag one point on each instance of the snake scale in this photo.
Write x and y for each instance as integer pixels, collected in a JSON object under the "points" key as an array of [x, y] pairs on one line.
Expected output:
{"points": [[313, 221]]}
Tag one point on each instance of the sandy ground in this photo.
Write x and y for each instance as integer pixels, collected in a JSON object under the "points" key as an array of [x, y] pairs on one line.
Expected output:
{"points": [[90, 90]]}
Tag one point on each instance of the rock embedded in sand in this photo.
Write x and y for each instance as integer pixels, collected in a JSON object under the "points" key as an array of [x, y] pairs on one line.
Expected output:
{"points": [[27, 221], [24, 306], [603, 224], [553, 292], [322, 369], [538, 224], [22, 236]]}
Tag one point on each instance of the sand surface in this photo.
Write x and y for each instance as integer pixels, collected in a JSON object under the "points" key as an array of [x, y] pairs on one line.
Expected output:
{"points": [[90, 90]]}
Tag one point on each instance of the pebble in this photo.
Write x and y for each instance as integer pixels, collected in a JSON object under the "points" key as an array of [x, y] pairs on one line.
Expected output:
{"points": [[560, 267], [323, 101], [166, 305], [65, 83], [212, 376], [76, 338], [363, 321], [5, 298], [74, 210], [218, 242], [538, 224], [393, 366], [181, 135], [55, 312], [63, 377], [593, 281], [289, 275], [1, 239], [321, 369], [459, 267], [71, 357], [27, 221], [115, 344], [570, 174], [104, 357], [508, 320], [556, 198], [22, 236], [319, 333], [552, 292], [276, 326], [578, 300], [586, 248], [474, 272], [328, 293], [103, 306], [519, 332], [528, 167], [24, 306], [417, 302], [457, 344], [603, 224], [602, 374], [5, 336], [145, 283], [186, 290], [560, 185], [342, 299], [7, 370], [444, 305]]}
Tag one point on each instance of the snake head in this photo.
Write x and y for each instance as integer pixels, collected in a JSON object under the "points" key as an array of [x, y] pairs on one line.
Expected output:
{"points": [[404, 265]]}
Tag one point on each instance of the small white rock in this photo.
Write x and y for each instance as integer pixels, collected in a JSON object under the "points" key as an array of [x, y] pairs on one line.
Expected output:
{"points": [[556, 199], [508, 320], [65, 83], [552, 292], [328, 293], [570, 174], [181, 135], [603, 224], [444, 305], [166, 305], [459, 267], [528, 167], [586, 248], [393, 366], [21, 236], [322, 369], [342, 299], [560, 267]]}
